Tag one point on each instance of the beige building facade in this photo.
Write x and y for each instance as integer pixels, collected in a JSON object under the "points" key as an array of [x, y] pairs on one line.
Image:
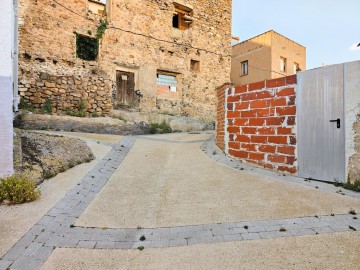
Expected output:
{"points": [[156, 55], [266, 56]]}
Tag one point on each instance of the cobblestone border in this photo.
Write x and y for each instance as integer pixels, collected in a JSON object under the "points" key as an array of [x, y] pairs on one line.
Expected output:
{"points": [[56, 228]]}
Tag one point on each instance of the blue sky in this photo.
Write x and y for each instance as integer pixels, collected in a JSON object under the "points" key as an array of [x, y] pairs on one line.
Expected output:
{"points": [[327, 28]]}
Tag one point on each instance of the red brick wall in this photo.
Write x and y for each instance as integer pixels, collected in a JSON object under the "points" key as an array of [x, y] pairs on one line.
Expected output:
{"points": [[261, 124], [220, 117], [164, 92]]}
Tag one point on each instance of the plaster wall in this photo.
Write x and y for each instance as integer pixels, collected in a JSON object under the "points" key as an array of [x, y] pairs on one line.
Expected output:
{"points": [[263, 54], [352, 120], [292, 51], [257, 51]]}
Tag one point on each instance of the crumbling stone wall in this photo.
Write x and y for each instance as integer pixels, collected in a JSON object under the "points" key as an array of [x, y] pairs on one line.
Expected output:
{"points": [[141, 39], [354, 168]]}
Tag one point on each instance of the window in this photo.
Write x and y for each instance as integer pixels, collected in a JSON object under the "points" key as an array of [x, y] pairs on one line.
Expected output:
{"points": [[296, 68], [166, 82], [195, 66], [182, 18], [282, 64], [86, 47], [244, 68], [97, 6]]}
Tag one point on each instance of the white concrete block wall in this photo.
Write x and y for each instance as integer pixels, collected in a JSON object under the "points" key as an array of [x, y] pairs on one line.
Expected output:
{"points": [[6, 86]]}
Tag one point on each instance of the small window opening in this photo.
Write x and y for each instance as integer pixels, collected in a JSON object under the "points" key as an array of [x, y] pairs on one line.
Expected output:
{"points": [[97, 6], [296, 68], [182, 18], [176, 20], [195, 65], [244, 68], [166, 82], [87, 48], [282, 64]]}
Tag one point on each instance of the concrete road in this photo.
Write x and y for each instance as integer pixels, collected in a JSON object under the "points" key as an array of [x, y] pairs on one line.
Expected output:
{"points": [[191, 211], [170, 182]]}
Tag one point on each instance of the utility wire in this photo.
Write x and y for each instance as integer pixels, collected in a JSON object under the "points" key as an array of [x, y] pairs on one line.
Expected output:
{"points": [[282, 74], [147, 36]]}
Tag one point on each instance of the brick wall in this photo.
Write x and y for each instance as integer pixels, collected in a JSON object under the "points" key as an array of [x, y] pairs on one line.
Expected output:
{"points": [[260, 123]]}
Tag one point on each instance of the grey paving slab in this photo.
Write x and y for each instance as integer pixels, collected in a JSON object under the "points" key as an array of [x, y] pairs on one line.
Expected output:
{"points": [[86, 244], [4, 264], [160, 243], [250, 236]]}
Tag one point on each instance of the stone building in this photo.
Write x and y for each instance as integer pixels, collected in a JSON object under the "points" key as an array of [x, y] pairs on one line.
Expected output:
{"points": [[156, 55], [265, 57]]}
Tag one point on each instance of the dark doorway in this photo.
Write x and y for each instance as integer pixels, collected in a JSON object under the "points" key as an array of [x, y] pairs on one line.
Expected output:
{"points": [[125, 83]]}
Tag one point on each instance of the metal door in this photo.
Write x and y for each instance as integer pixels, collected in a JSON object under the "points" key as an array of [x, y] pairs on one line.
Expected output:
{"points": [[125, 84], [320, 124]]}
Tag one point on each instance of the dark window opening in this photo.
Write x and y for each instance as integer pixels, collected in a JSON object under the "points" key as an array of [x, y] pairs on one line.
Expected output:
{"points": [[176, 21], [87, 48], [182, 18], [195, 65]]}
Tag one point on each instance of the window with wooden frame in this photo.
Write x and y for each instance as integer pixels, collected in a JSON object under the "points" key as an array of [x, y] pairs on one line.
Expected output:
{"points": [[166, 81], [182, 17], [282, 64], [296, 68], [244, 68], [195, 65]]}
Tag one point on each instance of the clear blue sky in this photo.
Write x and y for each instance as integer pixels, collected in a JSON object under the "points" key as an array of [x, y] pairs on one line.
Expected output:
{"points": [[327, 28]]}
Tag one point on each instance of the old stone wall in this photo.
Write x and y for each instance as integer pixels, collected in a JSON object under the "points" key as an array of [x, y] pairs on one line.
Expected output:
{"points": [[140, 39], [259, 123], [69, 93], [354, 163]]}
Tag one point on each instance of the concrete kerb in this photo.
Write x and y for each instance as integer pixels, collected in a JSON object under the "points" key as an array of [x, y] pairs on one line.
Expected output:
{"points": [[216, 154], [55, 229]]}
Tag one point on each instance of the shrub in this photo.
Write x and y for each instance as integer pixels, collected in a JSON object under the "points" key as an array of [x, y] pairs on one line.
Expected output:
{"points": [[76, 114], [18, 190], [82, 106], [355, 186], [95, 114], [162, 128], [47, 107], [23, 105]]}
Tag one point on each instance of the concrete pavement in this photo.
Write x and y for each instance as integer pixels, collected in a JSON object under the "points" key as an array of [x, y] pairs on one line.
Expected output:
{"points": [[187, 206]]}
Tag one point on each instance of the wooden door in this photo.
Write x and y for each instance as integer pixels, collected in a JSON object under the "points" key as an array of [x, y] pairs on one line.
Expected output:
{"points": [[125, 83]]}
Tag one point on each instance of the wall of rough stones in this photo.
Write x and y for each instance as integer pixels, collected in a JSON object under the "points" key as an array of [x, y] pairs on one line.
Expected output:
{"points": [[68, 92], [140, 39], [354, 161], [260, 123]]}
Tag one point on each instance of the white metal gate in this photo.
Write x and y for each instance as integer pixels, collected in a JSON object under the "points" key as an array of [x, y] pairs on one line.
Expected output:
{"points": [[320, 124]]}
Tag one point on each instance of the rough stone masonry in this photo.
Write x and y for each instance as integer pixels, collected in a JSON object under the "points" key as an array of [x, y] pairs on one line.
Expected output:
{"points": [[187, 41]]}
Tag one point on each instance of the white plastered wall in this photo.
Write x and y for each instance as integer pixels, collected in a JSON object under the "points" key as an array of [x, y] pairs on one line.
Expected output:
{"points": [[6, 87]]}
